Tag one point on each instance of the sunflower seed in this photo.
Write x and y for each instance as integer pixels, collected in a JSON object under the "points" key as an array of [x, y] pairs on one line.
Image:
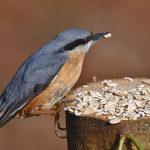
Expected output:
{"points": [[115, 120], [128, 78]]}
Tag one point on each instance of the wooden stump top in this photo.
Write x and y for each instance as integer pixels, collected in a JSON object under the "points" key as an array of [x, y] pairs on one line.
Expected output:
{"points": [[89, 131]]}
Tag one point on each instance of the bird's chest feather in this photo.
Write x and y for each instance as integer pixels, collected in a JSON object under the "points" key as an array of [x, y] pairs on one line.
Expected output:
{"points": [[60, 86]]}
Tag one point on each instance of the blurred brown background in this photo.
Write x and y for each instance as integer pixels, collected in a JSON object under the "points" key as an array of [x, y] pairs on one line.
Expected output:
{"points": [[28, 24]]}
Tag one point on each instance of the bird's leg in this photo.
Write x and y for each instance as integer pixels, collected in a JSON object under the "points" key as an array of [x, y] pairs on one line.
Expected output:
{"points": [[59, 106]]}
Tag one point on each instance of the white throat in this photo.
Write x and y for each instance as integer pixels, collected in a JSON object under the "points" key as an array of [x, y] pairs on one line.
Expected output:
{"points": [[84, 48]]}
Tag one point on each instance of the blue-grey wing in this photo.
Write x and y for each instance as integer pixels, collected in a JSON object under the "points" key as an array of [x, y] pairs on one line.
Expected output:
{"points": [[31, 79]]}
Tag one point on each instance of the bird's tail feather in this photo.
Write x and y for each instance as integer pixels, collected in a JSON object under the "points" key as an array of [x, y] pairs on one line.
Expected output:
{"points": [[3, 109]]}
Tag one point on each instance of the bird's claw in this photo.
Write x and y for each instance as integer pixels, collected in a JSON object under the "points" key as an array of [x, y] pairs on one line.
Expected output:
{"points": [[66, 102], [60, 105], [58, 127]]}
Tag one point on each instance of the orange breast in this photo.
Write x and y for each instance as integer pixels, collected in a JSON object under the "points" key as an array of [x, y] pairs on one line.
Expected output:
{"points": [[60, 86]]}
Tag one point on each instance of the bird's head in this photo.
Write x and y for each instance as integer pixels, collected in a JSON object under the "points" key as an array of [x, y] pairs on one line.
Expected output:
{"points": [[80, 39]]}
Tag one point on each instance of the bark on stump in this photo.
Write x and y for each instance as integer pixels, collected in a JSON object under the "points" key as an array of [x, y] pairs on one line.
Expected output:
{"points": [[87, 132]]}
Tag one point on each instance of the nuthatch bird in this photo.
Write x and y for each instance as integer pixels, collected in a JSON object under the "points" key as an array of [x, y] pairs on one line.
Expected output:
{"points": [[47, 75]]}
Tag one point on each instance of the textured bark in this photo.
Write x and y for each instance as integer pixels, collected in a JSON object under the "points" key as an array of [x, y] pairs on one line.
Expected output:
{"points": [[89, 133], [95, 133]]}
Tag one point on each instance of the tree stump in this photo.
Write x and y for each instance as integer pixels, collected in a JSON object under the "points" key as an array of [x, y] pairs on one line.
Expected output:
{"points": [[89, 131]]}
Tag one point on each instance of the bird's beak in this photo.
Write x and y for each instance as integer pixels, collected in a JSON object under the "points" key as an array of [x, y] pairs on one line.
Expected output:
{"points": [[102, 35]]}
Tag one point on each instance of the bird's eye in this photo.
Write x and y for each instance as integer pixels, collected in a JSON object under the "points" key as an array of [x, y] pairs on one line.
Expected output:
{"points": [[89, 38], [86, 39], [92, 36]]}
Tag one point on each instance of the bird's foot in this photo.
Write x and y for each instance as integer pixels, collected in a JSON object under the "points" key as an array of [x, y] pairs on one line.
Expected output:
{"points": [[58, 107], [64, 103], [58, 128]]}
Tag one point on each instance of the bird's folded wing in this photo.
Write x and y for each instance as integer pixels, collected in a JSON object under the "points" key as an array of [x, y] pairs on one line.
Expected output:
{"points": [[31, 79]]}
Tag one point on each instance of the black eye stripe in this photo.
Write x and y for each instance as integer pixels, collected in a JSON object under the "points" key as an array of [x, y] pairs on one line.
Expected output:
{"points": [[89, 38], [74, 44], [78, 42]]}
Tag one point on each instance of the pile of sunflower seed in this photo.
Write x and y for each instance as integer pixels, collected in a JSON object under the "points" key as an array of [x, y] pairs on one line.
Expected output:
{"points": [[114, 102]]}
